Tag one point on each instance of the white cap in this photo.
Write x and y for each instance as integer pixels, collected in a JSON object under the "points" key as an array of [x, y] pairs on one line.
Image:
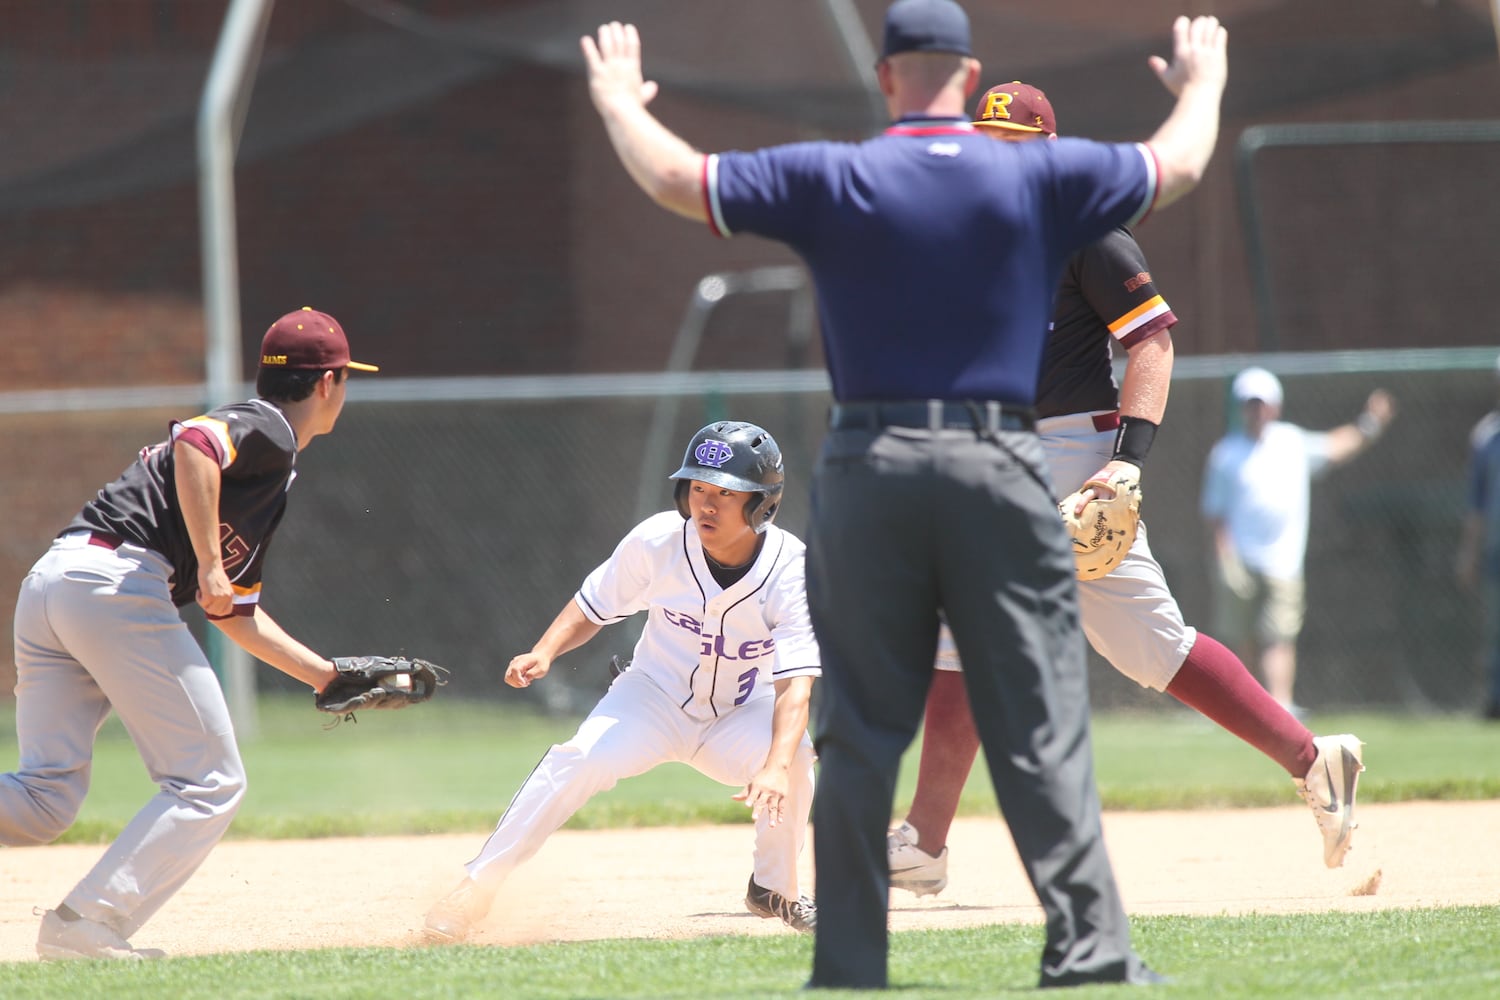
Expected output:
{"points": [[1257, 383]]}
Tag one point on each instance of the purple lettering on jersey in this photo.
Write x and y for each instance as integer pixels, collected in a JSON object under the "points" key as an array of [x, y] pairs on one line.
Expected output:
{"points": [[752, 649], [682, 621], [747, 684], [713, 453], [756, 648]]}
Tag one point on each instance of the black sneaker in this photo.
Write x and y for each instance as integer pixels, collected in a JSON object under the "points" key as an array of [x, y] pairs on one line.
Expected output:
{"points": [[801, 915]]}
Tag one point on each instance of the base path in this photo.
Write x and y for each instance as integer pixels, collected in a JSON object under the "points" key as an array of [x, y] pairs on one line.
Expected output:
{"points": [[684, 882]]}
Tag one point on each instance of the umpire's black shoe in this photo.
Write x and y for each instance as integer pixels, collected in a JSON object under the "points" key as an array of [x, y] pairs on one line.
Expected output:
{"points": [[1132, 973], [799, 915]]}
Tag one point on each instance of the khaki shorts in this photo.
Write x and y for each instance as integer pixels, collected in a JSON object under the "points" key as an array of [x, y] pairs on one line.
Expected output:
{"points": [[1272, 612]]}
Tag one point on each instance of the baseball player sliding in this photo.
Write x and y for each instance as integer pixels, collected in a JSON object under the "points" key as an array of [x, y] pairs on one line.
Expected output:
{"points": [[1090, 431], [720, 679]]}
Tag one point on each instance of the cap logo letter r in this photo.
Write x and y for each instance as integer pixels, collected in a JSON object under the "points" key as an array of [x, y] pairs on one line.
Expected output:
{"points": [[997, 106]]}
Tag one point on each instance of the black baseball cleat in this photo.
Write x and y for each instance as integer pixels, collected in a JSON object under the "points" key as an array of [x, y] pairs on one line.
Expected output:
{"points": [[799, 915]]}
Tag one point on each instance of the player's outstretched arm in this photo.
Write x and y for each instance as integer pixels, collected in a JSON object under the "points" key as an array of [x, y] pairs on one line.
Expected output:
{"points": [[665, 167], [569, 630], [1196, 76], [259, 635], [1348, 440], [767, 789]]}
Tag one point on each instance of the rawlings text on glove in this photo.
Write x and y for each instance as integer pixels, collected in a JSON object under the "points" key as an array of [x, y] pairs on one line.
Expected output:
{"points": [[1105, 529]]}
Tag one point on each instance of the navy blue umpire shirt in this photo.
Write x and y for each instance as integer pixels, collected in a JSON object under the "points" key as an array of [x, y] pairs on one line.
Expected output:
{"points": [[983, 228]]}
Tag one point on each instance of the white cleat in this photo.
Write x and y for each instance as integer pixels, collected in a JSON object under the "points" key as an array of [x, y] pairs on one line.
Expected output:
{"points": [[1328, 789], [84, 938], [452, 917], [912, 868]]}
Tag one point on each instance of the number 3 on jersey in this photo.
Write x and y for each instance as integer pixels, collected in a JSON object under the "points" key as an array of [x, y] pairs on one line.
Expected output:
{"points": [[747, 684]]}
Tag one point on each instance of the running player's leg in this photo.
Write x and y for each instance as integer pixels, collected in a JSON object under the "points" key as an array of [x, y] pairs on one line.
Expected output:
{"points": [[950, 745], [1132, 619]]}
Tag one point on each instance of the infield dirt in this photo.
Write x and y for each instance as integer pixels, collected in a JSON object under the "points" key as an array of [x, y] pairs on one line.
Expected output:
{"points": [[685, 882]]}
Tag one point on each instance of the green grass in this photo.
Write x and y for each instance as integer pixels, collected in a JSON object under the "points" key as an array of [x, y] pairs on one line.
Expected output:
{"points": [[1450, 953], [453, 767]]}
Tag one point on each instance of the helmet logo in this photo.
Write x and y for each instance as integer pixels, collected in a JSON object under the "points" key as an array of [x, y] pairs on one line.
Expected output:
{"points": [[713, 453]]}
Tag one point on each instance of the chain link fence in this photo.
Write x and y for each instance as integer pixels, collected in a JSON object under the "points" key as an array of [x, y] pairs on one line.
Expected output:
{"points": [[456, 524]]}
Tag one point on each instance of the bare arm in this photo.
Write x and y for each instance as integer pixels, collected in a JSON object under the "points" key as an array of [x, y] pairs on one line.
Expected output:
{"points": [[1196, 76], [1348, 440], [262, 638], [1143, 395], [1148, 378], [198, 481], [569, 630], [666, 168], [768, 788]]}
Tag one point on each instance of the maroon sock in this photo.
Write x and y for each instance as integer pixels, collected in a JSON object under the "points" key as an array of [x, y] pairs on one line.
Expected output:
{"points": [[950, 745], [1216, 683]]}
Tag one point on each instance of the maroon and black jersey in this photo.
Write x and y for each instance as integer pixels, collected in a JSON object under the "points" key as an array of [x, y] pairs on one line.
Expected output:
{"points": [[1106, 295], [256, 449]]}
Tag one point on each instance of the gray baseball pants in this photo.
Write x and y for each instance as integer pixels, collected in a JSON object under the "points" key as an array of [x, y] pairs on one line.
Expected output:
{"points": [[96, 629], [906, 523]]}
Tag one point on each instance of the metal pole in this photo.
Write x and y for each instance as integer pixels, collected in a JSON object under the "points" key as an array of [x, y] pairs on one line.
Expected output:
{"points": [[861, 55], [708, 294], [1495, 17], [221, 116]]}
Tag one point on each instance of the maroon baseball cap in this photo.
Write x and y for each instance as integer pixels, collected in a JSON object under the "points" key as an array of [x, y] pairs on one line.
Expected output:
{"points": [[1016, 107], [308, 340]]}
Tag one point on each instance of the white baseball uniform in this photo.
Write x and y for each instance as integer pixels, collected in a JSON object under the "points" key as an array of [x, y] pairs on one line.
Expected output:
{"points": [[700, 690]]}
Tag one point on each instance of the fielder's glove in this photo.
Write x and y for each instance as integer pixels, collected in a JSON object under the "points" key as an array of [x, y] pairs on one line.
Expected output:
{"points": [[378, 682], [1105, 530]]}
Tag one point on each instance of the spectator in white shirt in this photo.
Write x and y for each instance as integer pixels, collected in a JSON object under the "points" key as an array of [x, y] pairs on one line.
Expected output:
{"points": [[1255, 499]]}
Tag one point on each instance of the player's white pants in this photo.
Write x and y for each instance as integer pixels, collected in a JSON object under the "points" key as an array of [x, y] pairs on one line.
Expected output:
{"points": [[96, 629], [1130, 616], [635, 727]]}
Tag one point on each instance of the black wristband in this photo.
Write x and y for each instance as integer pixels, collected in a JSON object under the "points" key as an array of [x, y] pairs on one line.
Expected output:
{"points": [[1134, 440]]}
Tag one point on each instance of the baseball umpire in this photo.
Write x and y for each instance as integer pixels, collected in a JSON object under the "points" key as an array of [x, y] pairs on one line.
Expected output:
{"points": [[97, 628], [1092, 430], [931, 494], [720, 679]]}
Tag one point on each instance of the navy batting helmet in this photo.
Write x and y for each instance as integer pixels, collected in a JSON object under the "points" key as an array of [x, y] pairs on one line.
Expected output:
{"points": [[736, 456]]}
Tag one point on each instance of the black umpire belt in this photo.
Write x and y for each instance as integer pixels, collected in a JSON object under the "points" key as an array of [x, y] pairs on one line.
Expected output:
{"points": [[933, 414]]}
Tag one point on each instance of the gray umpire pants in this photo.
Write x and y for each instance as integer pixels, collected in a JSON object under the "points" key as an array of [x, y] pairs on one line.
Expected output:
{"points": [[905, 523], [95, 628]]}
